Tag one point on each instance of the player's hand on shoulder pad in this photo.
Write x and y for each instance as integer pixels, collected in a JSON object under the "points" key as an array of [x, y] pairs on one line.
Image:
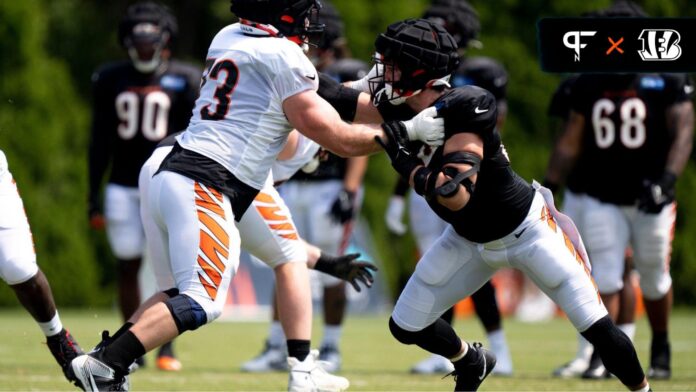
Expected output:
{"points": [[402, 159], [394, 216], [657, 194], [426, 127]]}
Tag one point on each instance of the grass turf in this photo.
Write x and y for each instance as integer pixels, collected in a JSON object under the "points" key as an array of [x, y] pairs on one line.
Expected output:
{"points": [[372, 359]]}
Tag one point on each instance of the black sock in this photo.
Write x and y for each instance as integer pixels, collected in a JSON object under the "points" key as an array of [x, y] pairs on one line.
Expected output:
{"points": [[124, 328], [660, 339], [448, 316], [121, 353], [298, 349], [166, 350]]}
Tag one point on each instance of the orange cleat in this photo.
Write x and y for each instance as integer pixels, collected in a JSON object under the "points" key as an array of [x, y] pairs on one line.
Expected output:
{"points": [[168, 364]]}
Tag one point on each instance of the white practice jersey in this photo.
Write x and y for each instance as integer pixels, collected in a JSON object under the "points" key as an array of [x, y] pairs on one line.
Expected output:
{"points": [[304, 154], [238, 120]]}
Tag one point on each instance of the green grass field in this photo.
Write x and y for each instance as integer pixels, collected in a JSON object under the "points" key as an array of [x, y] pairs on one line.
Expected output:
{"points": [[373, 360]]}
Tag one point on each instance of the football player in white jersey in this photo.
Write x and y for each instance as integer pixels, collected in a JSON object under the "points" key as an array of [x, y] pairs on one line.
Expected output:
{"points": [[19, 270], [257, 87]]}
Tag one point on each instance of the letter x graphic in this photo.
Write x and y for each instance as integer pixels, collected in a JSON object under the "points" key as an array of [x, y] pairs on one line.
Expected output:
{"points": [[615, 45]]}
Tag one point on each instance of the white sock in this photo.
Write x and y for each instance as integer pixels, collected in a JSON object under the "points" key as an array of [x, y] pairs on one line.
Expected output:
{"points": [[497, 341], [276, 336], [646, 388], [52, 327], [629, 329], [332, 335], [585, 349]]}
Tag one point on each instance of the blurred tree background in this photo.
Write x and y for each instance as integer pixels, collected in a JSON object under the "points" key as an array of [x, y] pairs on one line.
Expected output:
{"points": [[49, 48]]}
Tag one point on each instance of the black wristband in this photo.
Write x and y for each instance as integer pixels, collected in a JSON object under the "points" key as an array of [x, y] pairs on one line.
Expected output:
{"points": [[420, 180], [343, 99]]}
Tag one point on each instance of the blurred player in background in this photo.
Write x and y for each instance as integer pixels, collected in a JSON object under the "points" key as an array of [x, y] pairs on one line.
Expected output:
{"points": [[461, 20], [633, 134], [323, 204], [136, 104], [19, 270]]}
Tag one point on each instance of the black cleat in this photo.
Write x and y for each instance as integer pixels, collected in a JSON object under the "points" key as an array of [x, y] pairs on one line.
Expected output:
{"points": [[64, 349], [660, 357], [469, 372]]}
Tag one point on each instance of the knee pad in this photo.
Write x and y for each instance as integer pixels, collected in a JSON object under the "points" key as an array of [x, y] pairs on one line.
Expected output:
{"points": [[616, 350], [438, 338], [188, 314], [655, 284], [607, 283]]}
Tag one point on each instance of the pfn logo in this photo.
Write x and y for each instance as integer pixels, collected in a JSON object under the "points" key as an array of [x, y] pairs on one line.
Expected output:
{"points": [[660, 45], [575, 44]]}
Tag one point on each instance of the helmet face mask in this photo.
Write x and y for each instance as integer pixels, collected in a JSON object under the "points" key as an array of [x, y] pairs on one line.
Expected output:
{"points": [[146, 32]]}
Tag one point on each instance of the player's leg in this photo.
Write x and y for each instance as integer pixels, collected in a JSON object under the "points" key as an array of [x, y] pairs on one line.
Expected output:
{"points": [[450, 270], [625, 320], [197, 223], [18, 268], [268, 232], [653, 235], [559, 269], [427, 227]]}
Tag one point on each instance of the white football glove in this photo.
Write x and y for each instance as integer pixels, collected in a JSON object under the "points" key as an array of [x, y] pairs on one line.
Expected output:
{"points": [[426, 127], [364, 83], [394, 216]]}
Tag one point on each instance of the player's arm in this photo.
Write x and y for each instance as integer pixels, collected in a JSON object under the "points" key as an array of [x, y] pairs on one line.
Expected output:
{"points": [[566, 151], [455, 199], [680, 120], [346, 267], [99, 152], [344, 208]]}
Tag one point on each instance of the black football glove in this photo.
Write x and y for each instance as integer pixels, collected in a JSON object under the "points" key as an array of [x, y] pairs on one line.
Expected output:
{"points": [[343, 208], [402, 159], [657, 194], [347, 268]]}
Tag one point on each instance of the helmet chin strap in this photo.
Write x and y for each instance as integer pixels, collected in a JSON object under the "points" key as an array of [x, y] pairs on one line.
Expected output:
{"points": [[145, 66]]}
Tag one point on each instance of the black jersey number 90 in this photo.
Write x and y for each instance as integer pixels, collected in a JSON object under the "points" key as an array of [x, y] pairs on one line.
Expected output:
{"points": [[224, 90]]}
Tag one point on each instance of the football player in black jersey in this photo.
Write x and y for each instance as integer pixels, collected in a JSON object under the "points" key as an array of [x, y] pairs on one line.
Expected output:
{"points": [[586, 364], [462, 22], [633, 135], [496, 218], [323, 204], [136, 104]]}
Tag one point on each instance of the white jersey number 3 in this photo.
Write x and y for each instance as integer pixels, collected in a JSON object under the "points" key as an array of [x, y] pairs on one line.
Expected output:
{"points": [[632, 132], [153, 119]]}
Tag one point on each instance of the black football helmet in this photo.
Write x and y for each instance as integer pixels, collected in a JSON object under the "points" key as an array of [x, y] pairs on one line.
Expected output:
{"points": [[292, 18], [458, 17], [334, 29], [144, 31], [424, 53]]}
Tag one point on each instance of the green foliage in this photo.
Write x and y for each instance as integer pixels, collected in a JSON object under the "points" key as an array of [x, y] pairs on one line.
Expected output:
{"points": [[49, 48], [41, 131]]}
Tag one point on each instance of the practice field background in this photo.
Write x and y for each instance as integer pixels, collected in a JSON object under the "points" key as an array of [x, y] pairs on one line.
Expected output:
{"points": [[373, 360]]}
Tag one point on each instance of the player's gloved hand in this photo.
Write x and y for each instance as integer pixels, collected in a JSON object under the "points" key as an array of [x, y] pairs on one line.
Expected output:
{"points": [[376, 75], [96, 217], [347, 268], [343, 208], [657, 194], [395, 215], [402, 159], [426, 127]]}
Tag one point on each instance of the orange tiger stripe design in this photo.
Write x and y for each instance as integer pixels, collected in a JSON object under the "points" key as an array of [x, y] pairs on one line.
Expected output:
{"points": [[275, 221], [214, 246], [264, 198], [270, 213], [290, 236]]}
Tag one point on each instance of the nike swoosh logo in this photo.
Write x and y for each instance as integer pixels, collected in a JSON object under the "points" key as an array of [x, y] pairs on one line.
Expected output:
{"points": [[483, 374], [517, 235], [479, 111], [311, 77]]}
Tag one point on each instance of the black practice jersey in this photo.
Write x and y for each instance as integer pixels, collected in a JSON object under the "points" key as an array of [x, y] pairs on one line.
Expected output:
{"points": [[626, 139], [483, 72], [334, 167], [560, 107], [132, 112]]}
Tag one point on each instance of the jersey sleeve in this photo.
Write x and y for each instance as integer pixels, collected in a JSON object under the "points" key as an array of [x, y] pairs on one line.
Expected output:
{"points": [[468, 109], [299, 76]]}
